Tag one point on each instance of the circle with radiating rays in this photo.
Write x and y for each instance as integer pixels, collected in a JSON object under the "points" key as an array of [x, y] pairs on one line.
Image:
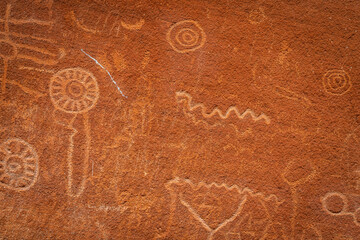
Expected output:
{"points": [[336, 82], [19, 165], [186, 36], [74, 90]]}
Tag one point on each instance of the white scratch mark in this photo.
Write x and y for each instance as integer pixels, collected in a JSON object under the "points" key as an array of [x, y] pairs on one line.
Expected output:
{"points": [[112, 79]]}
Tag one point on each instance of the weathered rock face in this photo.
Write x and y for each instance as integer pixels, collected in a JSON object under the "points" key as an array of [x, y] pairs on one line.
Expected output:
{"points": [[179, 119]]}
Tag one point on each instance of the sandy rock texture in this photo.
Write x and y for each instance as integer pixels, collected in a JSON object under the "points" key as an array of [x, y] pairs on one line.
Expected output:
{"points": [[180, 119]]}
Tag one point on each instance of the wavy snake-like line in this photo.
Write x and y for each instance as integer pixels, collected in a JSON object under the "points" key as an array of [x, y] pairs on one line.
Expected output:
{"points": [[217, 111]]}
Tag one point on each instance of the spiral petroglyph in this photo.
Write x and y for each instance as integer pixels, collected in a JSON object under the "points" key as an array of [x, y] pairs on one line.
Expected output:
{"points": [[337, 82], [74, 90], [186, 36]]}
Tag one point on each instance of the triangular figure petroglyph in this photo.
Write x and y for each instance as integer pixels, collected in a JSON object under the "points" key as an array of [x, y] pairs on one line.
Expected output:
{"points": [[212, 226]]}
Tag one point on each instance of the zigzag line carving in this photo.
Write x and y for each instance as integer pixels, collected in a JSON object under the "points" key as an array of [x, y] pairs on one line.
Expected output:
{"points": [[181, 181], [183, 96]]}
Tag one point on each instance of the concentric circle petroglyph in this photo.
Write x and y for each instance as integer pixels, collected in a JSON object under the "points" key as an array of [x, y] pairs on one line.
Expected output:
{"points": [[186, 36], [74, 90], [335, 203], [18, 165], [336, 82]]}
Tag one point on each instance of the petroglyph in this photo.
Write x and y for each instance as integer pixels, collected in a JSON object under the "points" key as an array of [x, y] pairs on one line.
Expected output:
{"points": [[27, 21], [105, 208], [351, 145], [336, 204], [196, 196], [14, 46], [186, 36], [118, 60], [136, 26], [256, 220], [204, 224], [19, 165], [284, 92], [75, 91], [257, 16], [36, 69], [337, 82], [27, 90], [304, 232], [145, 60], [297, 172], [109, 24], [192, 107], [80, 24]]}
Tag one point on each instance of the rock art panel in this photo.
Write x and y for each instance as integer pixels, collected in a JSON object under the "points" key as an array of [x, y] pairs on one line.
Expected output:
{"points": [[186, 119]]}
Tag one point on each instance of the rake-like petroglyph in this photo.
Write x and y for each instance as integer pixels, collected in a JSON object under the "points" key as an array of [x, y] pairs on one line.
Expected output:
{"points": [[15, 45]]}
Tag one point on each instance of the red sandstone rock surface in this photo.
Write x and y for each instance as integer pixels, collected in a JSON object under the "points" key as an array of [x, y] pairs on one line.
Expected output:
{"points": [[180, 119]]}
